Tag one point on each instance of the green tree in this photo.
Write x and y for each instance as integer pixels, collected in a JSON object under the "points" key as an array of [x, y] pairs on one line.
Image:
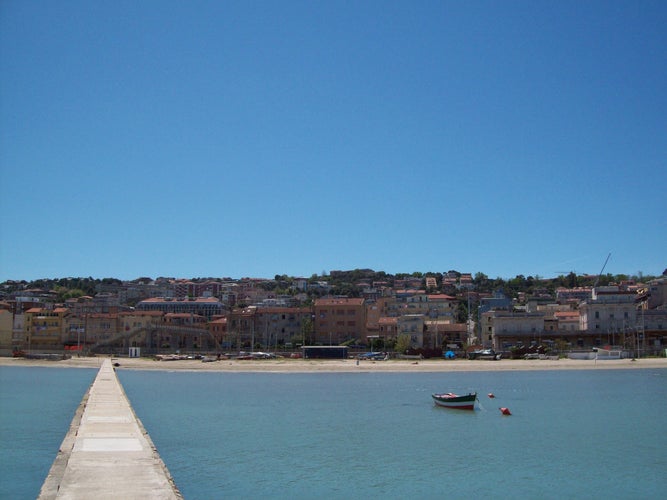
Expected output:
{"points": [[480, 280], [68, 293], [402, 343], [306, 330]]}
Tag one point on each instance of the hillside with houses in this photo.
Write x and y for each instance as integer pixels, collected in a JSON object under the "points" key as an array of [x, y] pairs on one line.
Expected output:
{"points": [[425, 313]]}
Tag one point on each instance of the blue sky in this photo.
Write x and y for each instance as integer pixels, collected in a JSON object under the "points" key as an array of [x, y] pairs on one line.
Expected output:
{"points": [[253, 138]]}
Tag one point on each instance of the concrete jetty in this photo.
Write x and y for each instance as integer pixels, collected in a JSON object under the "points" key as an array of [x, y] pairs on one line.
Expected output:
{"points": [[107, 453]]}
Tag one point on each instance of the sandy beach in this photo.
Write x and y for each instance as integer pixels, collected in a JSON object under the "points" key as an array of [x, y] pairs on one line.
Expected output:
{"points": [[286, 365]]}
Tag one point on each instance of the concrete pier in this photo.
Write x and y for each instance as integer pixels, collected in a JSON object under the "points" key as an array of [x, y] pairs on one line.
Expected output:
{"points": [[107, 453]]}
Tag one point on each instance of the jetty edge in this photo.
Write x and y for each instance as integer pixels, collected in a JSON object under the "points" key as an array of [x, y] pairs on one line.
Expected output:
{"points": [[107, 453]]}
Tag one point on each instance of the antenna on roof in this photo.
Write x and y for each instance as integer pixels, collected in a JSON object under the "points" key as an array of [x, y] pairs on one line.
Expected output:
{"points": [[601, 270]]}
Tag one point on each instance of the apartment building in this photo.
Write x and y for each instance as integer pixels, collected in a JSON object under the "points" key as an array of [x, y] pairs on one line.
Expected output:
{"points": [[184, 332], [217, 329], [453, 335], [501, 329], [609, 310], [498, 301], [412, 325], [466, 281], [656, 294], [653, 329], [442, 306], [241, 328], [567, 321], [407, 301], [409, 283], [6, 329], [44, 327], [266, 326], [139, 320], [208, 288], [100, 328], [387, 328], [277, 326], [101, 303], [376, 314], [203, 306], [564, 295], [338, 320]]}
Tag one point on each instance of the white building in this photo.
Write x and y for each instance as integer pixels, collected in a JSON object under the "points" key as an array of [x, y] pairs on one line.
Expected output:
{"points": [[501, 327], [609, 311]]}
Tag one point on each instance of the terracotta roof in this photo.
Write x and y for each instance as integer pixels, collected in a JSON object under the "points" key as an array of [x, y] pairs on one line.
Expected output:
{"points": [[566, 314], [344, 301], [182, 315], [275, 310], [441, 296], [198, 300], [452, 327]]}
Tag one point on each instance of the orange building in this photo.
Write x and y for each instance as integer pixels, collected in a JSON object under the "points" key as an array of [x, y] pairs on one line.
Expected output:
{"points": [[44, 327], [338, 320]]}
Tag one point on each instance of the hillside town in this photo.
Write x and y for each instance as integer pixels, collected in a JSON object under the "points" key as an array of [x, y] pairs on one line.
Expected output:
{"points": [[426, 314]]}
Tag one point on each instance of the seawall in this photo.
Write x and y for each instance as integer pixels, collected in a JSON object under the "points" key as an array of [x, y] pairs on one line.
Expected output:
{"points": [[107, 453]]}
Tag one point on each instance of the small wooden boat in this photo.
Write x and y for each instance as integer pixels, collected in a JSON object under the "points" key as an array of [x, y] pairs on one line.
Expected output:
{"points": [[451, 400]]}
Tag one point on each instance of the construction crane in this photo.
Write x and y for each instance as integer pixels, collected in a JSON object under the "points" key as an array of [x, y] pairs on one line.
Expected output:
{"points": [[601, 271]]}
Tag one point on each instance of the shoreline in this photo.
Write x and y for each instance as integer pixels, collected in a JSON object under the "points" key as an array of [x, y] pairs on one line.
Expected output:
{"points": [[286, 365]]}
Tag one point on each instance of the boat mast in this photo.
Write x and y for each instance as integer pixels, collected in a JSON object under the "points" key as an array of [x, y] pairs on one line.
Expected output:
{"points": [[468, 322]]}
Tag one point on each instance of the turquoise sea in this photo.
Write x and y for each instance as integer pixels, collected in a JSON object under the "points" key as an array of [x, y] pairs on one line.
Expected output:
{"points": [[36, 408], [572, 434]]}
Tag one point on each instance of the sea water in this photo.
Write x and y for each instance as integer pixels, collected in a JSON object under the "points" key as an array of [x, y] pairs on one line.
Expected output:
{"points": [[36, 408], [572, 434]]}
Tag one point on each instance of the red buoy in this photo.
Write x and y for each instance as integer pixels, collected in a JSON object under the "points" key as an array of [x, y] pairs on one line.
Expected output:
{"points": [[505, 411], [491, 395]]}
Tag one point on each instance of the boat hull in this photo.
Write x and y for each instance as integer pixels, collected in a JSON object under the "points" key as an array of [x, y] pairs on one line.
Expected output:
{"points": [[455, 401]]}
